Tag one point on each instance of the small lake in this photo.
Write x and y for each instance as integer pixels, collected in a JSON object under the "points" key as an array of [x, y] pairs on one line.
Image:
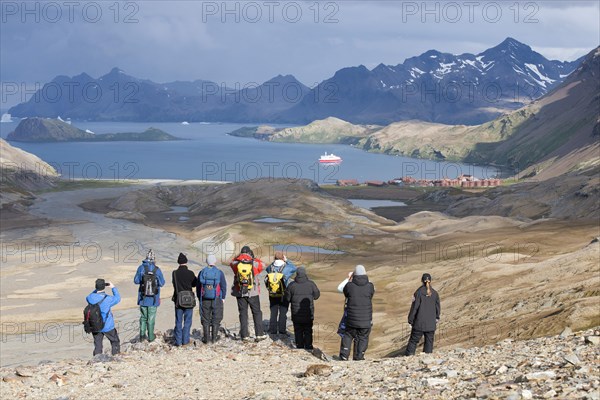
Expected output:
{"points": [[178, 210], [271, 220], [370, 204]]}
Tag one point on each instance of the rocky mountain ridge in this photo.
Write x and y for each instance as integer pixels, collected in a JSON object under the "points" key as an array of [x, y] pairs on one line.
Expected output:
{"points": [[555, 134], [434, 86], [22, 172]]}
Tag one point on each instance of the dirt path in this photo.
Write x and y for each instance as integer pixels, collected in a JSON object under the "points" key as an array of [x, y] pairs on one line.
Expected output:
{"points": [[47, 272]]}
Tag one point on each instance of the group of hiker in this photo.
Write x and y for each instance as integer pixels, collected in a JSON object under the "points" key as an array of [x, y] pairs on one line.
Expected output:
{"points": [[285, 290]]}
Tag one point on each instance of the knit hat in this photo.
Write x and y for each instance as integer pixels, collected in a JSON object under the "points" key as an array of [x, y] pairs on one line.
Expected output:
{"points": [[150, 255], [182, 259], [300, 272], [279, 255], [211, 259], [360, 270], [247, 250], [278, 263], [100, 284], [426, 277]]}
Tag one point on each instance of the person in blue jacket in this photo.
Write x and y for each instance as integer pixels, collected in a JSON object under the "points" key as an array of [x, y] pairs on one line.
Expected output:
{"points": [[109, 329], [148, 294], [211, 291], [277, 303]]}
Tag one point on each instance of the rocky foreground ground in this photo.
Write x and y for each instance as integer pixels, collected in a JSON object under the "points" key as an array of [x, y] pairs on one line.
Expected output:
{"points": [[564, 367]]}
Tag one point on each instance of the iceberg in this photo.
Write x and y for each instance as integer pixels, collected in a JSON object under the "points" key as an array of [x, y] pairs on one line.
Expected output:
{"points": [[185, 123], [6, 117]]}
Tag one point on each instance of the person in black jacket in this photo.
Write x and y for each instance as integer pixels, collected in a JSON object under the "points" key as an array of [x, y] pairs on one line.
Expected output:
{"points": [[423, 316], [359, 314], [301, 294], [183, 280]]}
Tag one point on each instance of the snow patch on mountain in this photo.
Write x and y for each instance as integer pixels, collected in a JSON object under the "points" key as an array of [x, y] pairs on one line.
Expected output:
{"points": [[543, 79], [445, 68]]}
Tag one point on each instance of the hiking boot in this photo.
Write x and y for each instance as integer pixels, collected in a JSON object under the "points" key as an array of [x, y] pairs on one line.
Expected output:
{"points": [[205, 334], [260, 338], [246, 339], [215, 336]]}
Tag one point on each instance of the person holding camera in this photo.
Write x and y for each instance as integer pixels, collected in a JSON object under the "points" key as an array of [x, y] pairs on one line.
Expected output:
{"points": [[358, 313], [185, 300], [105, 302]]}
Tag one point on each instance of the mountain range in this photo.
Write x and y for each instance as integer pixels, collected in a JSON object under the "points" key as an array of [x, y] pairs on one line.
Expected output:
{"points": [[562, 125], [435, 87]]}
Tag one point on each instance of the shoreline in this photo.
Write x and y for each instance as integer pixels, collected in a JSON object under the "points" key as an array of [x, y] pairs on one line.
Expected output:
{"points": [[502, 171]]}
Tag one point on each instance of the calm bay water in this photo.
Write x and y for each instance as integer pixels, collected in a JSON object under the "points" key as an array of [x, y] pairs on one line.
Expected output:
{"points": [[211, 154]]}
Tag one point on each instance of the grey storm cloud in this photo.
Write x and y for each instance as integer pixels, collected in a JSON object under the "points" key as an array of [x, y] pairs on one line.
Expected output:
{"points": [[252, 41]]}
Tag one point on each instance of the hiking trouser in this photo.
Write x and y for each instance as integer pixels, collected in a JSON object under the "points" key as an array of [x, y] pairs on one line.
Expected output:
{"points": [[303, 334], [183, 316], [112, 337], [211, 315], [360, 337], [415, 337], [278, 320], [254, 303], [147, 320]]}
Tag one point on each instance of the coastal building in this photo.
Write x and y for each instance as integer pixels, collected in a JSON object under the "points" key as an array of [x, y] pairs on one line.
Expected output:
{"points": [[376, 183], [347, 182]]}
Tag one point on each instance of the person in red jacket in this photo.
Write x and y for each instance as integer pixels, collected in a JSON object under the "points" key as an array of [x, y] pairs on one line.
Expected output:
{"points": [[246, 288]]}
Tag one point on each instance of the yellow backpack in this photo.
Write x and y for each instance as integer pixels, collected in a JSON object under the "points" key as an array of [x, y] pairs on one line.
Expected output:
{"points": [[274, 283], [245, 276]]}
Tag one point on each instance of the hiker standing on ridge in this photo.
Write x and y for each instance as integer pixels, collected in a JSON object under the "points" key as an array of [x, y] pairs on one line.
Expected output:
{"points": [[211, 292], [423, 316], [105, 302], [185, 301], [358, 314], [151, 279], [277, 280], [246, 289], [301, 294]]}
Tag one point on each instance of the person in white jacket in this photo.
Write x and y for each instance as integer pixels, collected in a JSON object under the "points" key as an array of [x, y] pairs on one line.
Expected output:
{"points": [[345, 281], [357, 321]]}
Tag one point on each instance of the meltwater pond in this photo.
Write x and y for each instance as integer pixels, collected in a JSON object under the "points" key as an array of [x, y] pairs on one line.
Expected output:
{"points": [[178, 210], [271, 220], [369, 204]]}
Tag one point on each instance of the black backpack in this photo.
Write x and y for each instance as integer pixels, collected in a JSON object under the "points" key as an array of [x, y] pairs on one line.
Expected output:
{"points": [[92, 317], [149, 285]]}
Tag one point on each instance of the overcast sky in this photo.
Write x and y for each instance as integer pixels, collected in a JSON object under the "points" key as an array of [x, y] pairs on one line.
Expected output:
{"points": [[252, 41]]}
